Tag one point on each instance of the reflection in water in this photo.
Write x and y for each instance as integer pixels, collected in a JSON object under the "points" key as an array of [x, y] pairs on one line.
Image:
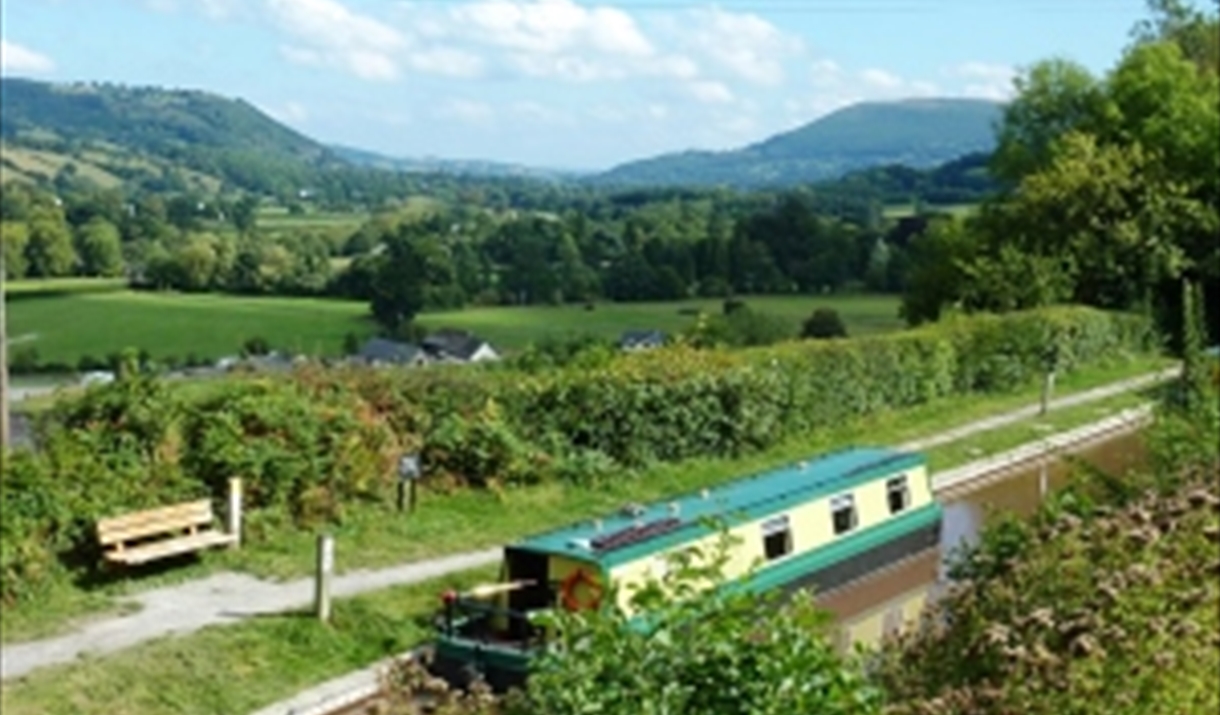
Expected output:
{"points": [[884, 601]]}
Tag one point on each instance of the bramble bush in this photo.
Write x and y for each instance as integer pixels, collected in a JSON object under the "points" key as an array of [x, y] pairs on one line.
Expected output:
{"points": [[308, 443], [1105, 602]]}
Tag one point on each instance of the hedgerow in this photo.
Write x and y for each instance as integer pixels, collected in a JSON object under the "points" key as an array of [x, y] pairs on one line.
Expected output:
{"points": [[308, 443]]}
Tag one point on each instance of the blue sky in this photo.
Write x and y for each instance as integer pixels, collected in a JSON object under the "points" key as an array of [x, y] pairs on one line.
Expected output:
{"points": [[563, 83]]}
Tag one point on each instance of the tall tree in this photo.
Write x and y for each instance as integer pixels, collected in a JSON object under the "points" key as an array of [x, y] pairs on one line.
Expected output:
{"points": [[48, 251], [100, 248], [398, 283]]}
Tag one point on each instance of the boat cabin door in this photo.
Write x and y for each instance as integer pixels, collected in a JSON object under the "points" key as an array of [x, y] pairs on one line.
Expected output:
{"points": [[527, 566]]}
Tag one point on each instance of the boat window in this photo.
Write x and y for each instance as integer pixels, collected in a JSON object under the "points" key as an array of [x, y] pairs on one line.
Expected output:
{"points": [[777, 537], [843, 513], [898, 494]]}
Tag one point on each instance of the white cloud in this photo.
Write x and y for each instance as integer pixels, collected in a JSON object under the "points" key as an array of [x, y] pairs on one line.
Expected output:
{"points": [[15, 58], [290, 112], [215, 9], [332, 35], [986, 81], [743, 44], [710, 92], [558, 39], [880, 79], [826, 73], [448, 62], [552, 27], [540, 114], [465, 111]]}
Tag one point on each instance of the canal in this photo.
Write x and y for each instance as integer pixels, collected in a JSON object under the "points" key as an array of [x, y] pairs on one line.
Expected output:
{"points": [[883, 601]]}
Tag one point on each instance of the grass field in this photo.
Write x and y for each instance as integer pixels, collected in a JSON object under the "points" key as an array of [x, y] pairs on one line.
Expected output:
{"points": [[904, 210], [235, 669], [67, 319]]}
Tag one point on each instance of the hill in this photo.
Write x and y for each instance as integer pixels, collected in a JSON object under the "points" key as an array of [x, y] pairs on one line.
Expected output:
{"points": [[435, 165], [916, 133], [143, 135]]}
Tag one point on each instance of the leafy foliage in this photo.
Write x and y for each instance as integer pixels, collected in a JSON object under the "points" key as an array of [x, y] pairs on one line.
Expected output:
{"points": [[824, 323], [1110, 608]]}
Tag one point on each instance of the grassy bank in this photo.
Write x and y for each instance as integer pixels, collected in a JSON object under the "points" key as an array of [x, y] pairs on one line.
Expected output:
{"points": [[251, 664], [65, 320], [233, 670], [374, 535]]}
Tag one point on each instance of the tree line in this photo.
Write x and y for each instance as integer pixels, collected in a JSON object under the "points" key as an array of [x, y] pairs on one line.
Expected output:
{"points": [[624, 246]]}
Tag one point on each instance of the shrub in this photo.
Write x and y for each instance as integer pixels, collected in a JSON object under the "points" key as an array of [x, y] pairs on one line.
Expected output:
{"points": [[824, 323], [255, 346], [1113, 613]]}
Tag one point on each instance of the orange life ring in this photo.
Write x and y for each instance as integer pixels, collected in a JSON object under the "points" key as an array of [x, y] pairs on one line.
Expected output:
{"points": [[568, 591]]}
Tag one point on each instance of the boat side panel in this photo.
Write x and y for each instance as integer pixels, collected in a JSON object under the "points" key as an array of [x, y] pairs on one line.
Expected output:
{"points": [[811, 527]]}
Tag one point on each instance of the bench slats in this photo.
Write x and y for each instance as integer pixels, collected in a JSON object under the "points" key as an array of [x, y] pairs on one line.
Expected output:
{"points": [[160, 549], [117, 530]]}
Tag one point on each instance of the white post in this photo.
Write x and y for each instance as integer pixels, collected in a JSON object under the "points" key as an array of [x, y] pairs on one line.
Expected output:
{"points": [[1042, 480], [1048, 387], [326, 568], [234, 511]]}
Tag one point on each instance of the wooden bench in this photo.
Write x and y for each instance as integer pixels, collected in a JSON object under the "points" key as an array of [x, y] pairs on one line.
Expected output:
{"points": [[153, 534]]}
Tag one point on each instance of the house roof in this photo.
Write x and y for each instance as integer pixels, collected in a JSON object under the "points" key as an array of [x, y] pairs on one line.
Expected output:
{"points": [[388, 350], [634, 337], [753, 497], [454, 343]]}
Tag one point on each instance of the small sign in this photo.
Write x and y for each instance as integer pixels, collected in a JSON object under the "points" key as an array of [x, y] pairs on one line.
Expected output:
{"points": [[408, 467]]}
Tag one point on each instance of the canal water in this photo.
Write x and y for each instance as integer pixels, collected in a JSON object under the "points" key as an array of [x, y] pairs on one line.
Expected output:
{"points": [[883, 601]]}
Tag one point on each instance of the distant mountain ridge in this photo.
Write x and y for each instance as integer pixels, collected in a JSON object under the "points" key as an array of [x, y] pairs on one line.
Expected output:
{"points": [[918, 133], [469, 167], [169, 139]]}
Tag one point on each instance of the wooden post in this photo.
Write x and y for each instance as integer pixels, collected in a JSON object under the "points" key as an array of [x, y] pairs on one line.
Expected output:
{"points": [[1048, 388], [234, 512], [326, 568]]}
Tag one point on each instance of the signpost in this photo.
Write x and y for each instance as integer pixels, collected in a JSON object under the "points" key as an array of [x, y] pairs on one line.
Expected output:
{"points": [[409, 473]]}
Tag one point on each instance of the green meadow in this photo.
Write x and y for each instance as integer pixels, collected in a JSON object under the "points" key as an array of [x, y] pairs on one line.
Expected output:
{"points": [[65, 320]]}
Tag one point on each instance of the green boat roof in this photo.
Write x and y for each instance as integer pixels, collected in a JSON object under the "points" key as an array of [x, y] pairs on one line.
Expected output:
{"points": [[654, 527]]}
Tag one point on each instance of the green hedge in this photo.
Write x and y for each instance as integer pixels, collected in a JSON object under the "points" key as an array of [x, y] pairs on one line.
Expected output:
{"points": [[307, 444], [679, 402]]}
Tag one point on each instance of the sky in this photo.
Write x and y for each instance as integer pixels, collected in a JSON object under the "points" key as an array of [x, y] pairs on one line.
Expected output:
{"points": [[571, 84]]}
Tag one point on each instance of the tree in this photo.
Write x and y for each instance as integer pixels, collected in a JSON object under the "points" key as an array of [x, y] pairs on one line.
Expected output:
{"points": [[100, 248], [937, 274], [398, 283], [824, 323], [15, 237], [48, 251], [1054, 97]]}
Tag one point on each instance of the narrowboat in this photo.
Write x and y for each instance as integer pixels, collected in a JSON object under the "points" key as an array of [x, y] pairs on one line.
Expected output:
{"points": [[819, 523]]}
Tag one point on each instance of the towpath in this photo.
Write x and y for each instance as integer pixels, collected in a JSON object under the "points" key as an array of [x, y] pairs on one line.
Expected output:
{"points": [[228, 597]]}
